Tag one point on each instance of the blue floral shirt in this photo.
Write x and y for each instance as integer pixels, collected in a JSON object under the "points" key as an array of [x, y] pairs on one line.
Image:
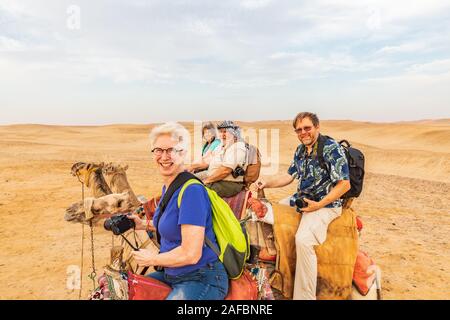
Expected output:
{"points": [[315, 182]]}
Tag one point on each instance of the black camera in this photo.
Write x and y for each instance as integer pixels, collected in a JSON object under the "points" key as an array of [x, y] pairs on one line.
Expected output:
{"points": [[238, 172], [301, 203], [119, 224]]}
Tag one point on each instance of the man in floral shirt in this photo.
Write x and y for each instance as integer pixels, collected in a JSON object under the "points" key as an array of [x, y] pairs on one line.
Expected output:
{"points": [[321, 185]]}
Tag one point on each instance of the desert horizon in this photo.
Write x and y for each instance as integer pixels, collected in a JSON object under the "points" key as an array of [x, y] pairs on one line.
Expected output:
{"points": [[431, 121], [404, 205]]}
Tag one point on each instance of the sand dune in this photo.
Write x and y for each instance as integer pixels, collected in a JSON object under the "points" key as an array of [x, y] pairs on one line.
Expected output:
{"points": [[405, 204]]}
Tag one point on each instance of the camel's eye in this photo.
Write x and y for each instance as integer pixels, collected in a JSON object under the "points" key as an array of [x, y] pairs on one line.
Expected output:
{"points": [[119, 203]]}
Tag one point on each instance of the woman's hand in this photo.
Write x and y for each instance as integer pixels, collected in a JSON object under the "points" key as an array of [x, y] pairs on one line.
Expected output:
{"points": [[144, 258], [140, 225]]}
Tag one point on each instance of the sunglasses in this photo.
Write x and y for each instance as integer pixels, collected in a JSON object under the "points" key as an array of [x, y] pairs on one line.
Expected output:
{"points": [[305, 129]]}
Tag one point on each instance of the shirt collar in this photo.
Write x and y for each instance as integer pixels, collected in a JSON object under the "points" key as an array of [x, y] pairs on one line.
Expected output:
{"points": [[305, 150]]}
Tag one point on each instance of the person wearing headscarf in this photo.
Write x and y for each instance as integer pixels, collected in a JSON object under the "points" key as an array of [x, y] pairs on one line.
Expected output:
{"points": [[226, 170]]}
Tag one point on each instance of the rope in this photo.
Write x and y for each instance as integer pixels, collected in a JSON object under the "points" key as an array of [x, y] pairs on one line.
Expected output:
{"points": [[82, 244], [93, 274], [82, 261]]}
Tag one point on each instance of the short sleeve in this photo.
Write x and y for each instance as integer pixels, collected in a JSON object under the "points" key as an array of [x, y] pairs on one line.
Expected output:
{"points": [[234, 156], [215, 145], [195, 206], [339, 169], [293, 171], [252, 155]]}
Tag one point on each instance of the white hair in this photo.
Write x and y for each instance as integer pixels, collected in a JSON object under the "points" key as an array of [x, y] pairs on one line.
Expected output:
{"points": [[178, 133]]}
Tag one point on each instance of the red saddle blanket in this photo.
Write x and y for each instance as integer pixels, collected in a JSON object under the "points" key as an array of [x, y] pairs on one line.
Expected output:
{"points": [[145, 288]]}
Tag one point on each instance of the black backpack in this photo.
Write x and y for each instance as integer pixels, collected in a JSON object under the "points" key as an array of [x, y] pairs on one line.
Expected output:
{"points": [[356, 162]]}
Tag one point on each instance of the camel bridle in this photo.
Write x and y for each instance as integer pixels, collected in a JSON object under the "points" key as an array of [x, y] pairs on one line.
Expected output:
{"points": [[93, 275]]}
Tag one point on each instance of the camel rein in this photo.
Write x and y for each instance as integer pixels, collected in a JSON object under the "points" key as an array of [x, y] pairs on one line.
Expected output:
{"points": [[93, 274]]}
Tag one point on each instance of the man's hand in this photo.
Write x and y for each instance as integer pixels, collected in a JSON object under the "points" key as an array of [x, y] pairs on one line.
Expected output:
{"points": [[336, 193], [278, 182], [144, 258], [312, 206], [140, 225], [218, 175], [261, 183]]}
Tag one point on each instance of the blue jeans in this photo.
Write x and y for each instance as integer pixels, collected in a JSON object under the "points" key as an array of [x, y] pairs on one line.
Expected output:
{"points": [[208, 283]]}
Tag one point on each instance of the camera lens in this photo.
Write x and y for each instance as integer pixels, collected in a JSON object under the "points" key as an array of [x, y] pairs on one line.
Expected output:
{"points": [[108, 225], [238, 172], [301, 203]]}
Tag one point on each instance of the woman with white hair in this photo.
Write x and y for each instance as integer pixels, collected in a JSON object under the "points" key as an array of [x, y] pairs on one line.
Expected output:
{"points": [[191, 268]]}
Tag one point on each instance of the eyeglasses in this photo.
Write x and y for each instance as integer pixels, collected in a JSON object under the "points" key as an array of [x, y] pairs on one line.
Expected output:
{"points": [[170, 151], [300, 130]]}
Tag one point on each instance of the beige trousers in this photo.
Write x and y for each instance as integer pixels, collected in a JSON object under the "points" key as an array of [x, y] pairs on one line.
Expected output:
{"points": [[311, 232]]}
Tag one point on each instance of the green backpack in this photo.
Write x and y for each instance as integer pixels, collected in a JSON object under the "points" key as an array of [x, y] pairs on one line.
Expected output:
{"points": [[232, 238]]}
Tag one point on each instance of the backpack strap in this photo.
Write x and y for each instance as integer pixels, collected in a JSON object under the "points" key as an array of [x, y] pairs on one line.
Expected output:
{"points": [[208, 242], [185, 186], [345, 144], [179, 181]]}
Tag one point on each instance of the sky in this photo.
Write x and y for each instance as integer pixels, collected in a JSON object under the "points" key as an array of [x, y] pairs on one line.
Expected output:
{"points": [[146, 61]]}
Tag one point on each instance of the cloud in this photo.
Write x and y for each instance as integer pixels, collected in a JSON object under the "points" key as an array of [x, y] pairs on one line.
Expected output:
{"points": [[201, 28], [228, 47], [431, 68], [430, 73], [255, 4], [403, 48], [11, 45]]}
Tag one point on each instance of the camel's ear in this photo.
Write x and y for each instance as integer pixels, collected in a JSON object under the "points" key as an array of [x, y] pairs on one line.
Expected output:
{"points": [[125, 168], [107, 168], [88, 203], [126, 194]]}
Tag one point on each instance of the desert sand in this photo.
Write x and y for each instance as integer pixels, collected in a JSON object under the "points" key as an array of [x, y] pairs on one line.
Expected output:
{"points": [[405, 204]]}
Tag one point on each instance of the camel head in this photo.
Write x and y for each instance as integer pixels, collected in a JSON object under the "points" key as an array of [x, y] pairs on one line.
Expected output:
{"points": [[83, 168], [97, 209], [112, 169], [116, 177]]}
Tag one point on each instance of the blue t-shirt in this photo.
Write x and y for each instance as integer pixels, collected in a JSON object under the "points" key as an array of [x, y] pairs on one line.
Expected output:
{"points": [[195, 210]]}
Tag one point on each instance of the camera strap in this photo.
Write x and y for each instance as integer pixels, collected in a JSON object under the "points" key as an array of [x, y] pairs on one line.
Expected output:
{"points": [[129, 243], [179, 181]]}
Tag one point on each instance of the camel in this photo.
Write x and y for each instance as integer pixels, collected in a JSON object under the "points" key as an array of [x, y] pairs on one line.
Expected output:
{"points": [[94, 209], [105, 203], [116, 177], [102, 180], [92, 176]]}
